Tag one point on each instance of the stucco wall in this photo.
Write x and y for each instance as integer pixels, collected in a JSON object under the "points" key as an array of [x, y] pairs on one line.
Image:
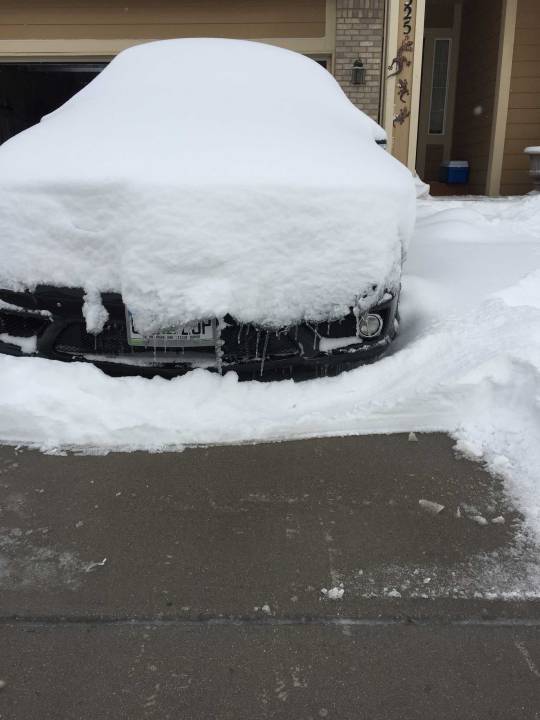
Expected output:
{"points": [[140, 19], [100, 28]]}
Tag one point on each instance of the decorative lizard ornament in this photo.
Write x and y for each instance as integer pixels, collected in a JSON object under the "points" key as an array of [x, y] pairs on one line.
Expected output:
{"points": [[403, 89], [401, 116], [400, 61]]}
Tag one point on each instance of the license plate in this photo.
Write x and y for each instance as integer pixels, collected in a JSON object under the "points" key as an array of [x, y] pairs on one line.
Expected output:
{"points": [[201, 333]]}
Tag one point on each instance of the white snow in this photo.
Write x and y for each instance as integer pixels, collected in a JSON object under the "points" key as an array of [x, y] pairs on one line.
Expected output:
{"points": [[467, 362], [200, 177], [26, 344], [94, 312], [431, 507], [327, 344], [334, 593], [9, 306]]}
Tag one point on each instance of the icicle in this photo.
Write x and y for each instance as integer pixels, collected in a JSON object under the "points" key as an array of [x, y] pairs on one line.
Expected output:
{"points": [[218, 345], [219, 356], [239, 333], [328, 328], [296, 333], [356, 311], [316, 336], [257, 344], [264, 352]]}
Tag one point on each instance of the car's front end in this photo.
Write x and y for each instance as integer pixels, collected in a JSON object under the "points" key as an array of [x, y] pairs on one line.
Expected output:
{"points": [[49, 323], [253, 240]]}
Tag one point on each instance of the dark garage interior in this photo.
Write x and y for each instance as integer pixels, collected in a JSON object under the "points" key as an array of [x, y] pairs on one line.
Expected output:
{"points": [[30, 90]]}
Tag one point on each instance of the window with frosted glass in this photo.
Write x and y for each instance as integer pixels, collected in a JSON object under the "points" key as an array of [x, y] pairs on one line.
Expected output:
{"points": [[439, 87]]}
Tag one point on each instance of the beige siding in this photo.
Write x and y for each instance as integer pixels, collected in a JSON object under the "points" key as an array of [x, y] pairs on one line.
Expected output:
{"points": [[477, 74], [523, 126], [140, 19]]}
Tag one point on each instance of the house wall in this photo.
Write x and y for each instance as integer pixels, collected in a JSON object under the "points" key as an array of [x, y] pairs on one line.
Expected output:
{"points": [[476, 85], [337, 30], [523, 124], [140, 19], [360, 33]]}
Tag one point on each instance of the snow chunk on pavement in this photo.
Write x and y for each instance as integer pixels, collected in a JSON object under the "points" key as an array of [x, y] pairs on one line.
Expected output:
{"points": [[264, 196], [431, 507], [335, 593]]}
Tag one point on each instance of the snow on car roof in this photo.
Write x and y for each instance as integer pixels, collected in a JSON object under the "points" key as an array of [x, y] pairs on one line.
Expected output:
{"points": [[200, 177]]}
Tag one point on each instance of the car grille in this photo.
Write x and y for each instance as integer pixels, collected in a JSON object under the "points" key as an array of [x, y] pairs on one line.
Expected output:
{"points": [[74, 340], [20, 324], [54, 316], [246, 342]]}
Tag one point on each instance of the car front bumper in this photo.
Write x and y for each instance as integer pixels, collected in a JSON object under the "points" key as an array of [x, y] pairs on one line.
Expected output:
{"points": [[53, 317]]}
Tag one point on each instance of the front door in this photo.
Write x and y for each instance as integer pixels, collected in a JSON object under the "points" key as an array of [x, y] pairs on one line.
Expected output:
{"points": [[435, 124]]}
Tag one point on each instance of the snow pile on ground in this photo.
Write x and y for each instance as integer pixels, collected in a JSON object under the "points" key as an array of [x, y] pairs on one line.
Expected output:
{"points": [[467, 362], [261, 193]]}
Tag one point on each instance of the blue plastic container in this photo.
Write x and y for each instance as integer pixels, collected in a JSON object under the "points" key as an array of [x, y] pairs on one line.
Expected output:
{"points": [[455, 172]]}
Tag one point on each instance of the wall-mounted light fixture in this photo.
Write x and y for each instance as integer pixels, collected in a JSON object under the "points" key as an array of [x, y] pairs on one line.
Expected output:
{"points": [[358, 72]]}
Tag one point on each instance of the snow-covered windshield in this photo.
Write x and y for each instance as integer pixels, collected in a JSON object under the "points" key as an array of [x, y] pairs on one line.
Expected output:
{"points": [[202, 177]]}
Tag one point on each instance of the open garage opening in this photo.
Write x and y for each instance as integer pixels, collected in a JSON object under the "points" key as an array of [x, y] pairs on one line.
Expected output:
{"points": [[30, 90]]}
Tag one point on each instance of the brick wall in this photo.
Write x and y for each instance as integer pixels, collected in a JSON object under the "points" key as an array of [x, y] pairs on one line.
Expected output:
{"points": [[359, 33]]}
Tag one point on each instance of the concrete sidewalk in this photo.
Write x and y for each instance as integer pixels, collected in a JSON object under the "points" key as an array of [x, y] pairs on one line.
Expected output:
{"points": [[190, 585]]}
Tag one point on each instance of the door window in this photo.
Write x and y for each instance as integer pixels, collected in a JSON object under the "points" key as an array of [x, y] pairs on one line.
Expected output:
{"points": [[439, 86]]}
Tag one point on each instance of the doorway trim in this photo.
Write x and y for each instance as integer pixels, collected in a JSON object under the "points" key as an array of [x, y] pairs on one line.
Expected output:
{"points": [[502, 96]]}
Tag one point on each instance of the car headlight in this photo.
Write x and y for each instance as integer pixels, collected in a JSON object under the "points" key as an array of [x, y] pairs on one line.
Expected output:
{"points": [[370, 325]]}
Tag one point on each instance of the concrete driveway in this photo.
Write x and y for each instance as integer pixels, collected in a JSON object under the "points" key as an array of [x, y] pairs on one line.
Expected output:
{"points": [[192, 585]]}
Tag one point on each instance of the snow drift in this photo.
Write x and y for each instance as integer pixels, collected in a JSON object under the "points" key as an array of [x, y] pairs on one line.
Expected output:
{"points": [[201, 177]]}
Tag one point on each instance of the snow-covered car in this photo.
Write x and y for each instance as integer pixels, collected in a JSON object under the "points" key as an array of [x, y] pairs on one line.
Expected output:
{"points": [[203, 203]]}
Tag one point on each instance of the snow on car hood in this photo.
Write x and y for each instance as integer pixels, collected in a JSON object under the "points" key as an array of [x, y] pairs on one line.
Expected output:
{"points": [[202, 177]]}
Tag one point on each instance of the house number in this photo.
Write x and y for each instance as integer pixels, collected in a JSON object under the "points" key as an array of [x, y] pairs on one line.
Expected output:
{"points": [[407, 14]]}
